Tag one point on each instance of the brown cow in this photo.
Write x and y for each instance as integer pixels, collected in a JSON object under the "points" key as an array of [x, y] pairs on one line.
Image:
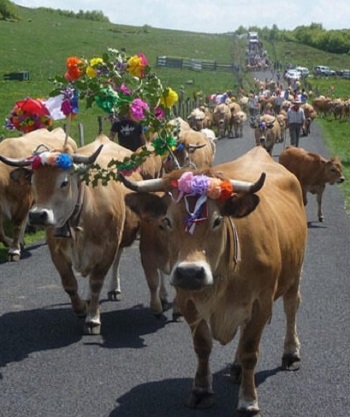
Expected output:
{"points": [[15, 191], [194, 149], [238, 120], [267, 131], [234, 251], [313, 172], [85, 224], [200, 118], [222, 120]]}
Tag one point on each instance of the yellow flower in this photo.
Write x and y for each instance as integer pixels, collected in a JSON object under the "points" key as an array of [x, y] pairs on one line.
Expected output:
{"points": [[95, 61], [170, 99], [136, 65], [91, 72]]}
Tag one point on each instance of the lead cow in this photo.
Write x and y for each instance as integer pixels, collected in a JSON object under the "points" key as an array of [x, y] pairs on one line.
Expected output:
{"points": [[232, 252], [86, 226], [313, 172]]}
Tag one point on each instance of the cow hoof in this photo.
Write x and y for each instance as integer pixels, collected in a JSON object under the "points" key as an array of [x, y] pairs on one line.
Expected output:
{"points": [[236, 373], [321, 219], [177, 317], [114, 295], [165, 305], [200, 399], [14, 257], [248, 413], [291, 362], [92, 329]]}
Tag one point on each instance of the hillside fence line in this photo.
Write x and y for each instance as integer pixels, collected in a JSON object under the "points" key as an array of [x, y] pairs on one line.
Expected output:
{"points": [[195, 64]]}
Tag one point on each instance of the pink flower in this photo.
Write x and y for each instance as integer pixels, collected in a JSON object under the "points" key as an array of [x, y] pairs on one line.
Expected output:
{"points": [[138, 108], [159, 113], [184, 183], [124, 89]]}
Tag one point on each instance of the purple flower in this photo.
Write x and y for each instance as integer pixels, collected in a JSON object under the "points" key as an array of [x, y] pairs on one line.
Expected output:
{"points": [[199, 184]]}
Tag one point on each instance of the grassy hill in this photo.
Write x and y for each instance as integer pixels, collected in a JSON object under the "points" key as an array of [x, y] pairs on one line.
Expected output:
{"points": [[42, 40]]}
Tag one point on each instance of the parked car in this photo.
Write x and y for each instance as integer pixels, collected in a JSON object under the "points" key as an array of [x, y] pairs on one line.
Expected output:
{"points": [[323, 70], [292, 74], [303, 71]]}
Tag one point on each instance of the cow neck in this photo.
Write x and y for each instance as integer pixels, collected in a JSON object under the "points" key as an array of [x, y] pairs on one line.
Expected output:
{"points": [[234, 246], [68, 229]]}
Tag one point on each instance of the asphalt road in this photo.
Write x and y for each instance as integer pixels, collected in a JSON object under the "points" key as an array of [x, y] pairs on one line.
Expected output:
{"points": [[141, 366]]}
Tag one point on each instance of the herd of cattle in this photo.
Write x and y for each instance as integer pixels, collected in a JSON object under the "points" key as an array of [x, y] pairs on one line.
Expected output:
{"points": [[221, 233]]}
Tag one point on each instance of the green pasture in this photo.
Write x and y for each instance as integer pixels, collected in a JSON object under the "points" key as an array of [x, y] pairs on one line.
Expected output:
{"points": [[43, 39]]}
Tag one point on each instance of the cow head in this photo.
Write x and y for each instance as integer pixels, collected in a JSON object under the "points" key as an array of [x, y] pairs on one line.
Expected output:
{"points": [[181, 156], [55, 180], [334, 171], [194, 220]]}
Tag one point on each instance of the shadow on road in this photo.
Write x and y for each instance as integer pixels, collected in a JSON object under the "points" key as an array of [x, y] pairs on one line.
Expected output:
{"points": [[153, 398]]}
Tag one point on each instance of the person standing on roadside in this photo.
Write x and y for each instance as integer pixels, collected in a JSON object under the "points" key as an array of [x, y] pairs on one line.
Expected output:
{"points": [[296, 118]]}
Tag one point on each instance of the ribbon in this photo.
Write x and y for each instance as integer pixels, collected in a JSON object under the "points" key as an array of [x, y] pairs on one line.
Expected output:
{"points": [[195, 217]]}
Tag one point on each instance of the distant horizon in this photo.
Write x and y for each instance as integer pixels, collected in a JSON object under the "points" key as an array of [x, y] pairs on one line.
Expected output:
{"points": [[204, 16]]}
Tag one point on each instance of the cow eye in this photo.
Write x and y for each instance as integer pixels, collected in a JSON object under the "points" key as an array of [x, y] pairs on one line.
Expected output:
{"points": [[217, 222], [64, 183], [165, 224]]}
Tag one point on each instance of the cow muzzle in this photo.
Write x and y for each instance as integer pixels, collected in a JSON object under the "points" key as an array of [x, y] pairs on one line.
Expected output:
{"points": [[39, 217], [191, 276]]}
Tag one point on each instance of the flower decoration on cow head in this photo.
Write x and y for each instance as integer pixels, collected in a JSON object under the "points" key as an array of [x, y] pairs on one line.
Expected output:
{"points": [[52, 158], [123, 87], [201, 187]]}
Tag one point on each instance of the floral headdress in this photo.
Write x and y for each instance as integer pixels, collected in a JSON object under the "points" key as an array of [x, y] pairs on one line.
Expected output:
{"points": [[123, 86], [202, 187]]}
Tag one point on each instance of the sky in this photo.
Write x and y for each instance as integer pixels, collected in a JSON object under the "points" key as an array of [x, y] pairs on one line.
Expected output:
{"points": [[211, 16]]}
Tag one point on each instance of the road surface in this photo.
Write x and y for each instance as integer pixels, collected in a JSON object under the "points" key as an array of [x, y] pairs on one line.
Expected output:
{"points": [[141, 366]]}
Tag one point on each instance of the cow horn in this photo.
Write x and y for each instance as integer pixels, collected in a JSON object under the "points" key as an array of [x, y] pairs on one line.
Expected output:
{"points": [[199, 146], [87, 160], [146, 186], [15, 162], [249, 187]]}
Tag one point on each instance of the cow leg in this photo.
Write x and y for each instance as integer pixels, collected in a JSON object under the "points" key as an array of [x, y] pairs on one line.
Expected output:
{"points": [[319, 203], [153, 282], [163, 293], [93, 321], [114, 293], [70, 284], [202, 395], [291, 354], [5, 240], [247, 357], [18, 239]]}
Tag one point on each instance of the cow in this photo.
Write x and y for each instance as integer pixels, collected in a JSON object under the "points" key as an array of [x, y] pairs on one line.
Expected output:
{"points": [[310, 116], [199, 118], [86, 224], [16, 195], [313, 172], [196, 149], [238, 120], [193, 149], [233, 252], [222, 119], [267, 131]]}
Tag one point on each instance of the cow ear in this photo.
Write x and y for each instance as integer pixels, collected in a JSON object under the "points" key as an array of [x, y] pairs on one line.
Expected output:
{"points": [[148, 206], [21, 175], [240, 205]]}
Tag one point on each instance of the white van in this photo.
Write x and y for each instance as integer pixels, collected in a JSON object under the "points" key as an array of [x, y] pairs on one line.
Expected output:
{"points": [[304, 72]]}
